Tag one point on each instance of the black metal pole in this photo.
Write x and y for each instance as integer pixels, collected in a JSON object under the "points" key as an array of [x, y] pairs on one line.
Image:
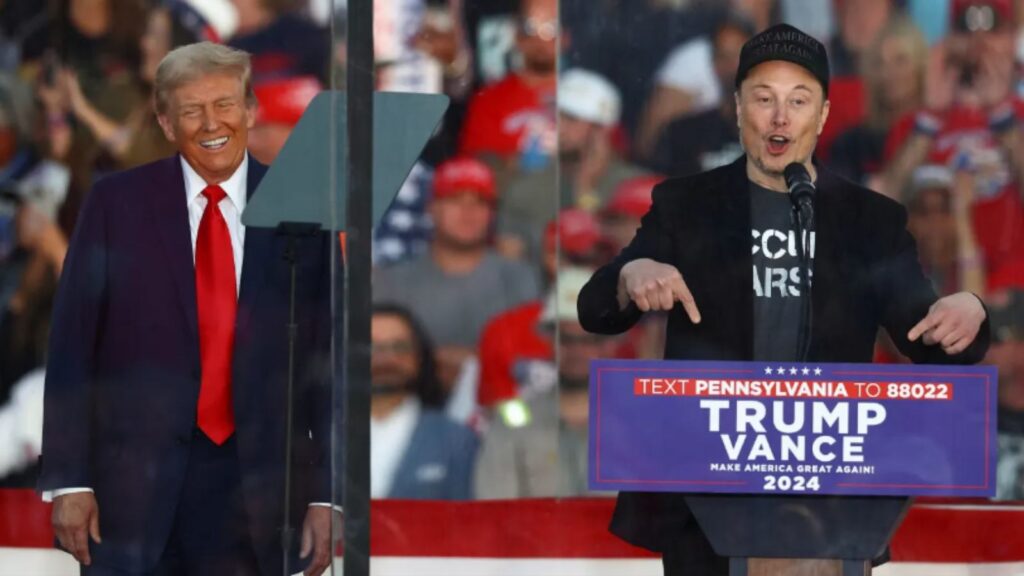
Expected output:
{"points": [[359, 85], [287, 530], [804, 229]]}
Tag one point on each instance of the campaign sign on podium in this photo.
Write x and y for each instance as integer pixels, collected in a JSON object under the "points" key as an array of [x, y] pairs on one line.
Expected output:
{"points": [[791, 428]]}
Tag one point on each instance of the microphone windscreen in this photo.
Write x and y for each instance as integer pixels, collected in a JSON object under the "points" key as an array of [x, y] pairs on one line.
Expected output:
{"points": [[794, 173]]}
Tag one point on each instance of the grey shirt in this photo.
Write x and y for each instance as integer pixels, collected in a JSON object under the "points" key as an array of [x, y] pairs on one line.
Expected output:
{"points": [[776, 275], [544, 458], [454, 308]]}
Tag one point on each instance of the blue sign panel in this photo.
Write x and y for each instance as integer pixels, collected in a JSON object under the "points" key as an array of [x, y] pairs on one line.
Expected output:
{"points": [[752, 427]]}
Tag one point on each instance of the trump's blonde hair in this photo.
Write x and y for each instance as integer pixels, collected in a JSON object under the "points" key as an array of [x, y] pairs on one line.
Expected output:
{"points": [[192, 61]]}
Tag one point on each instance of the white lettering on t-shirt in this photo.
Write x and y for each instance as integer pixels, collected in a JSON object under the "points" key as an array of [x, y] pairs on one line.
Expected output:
{"points": [[772, 245]]}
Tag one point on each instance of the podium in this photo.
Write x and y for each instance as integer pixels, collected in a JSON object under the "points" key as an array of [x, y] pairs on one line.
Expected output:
{"points": [[794, 469], [798, 535]]}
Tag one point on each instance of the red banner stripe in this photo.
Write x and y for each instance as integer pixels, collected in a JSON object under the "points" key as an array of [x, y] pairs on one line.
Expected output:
{"points": [[943, 531]]}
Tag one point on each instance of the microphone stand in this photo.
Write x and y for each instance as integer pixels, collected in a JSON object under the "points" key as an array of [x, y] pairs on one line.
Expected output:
{"points": [[292, 231], [804, 227]]}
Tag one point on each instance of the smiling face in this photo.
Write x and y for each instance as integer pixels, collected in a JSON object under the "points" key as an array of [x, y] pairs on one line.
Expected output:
{"points": [[781, 110], [208, 119]]}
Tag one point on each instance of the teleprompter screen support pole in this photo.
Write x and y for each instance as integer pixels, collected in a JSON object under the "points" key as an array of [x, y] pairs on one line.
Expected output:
{"points": [[359, 225]]}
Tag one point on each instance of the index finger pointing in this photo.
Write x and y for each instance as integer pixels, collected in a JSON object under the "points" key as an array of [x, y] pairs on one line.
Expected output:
{"points": [[682, 293], [926, 324]]}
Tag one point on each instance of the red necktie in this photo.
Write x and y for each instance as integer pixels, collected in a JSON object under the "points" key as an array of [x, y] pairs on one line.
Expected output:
{"points": [[217, 304]]}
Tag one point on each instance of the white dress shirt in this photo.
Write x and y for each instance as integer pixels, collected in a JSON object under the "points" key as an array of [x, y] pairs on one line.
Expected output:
{"points": [[231, 208]]}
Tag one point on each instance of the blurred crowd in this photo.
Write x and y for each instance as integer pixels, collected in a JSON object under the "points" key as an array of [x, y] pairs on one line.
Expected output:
{"points": [[564, 116]]}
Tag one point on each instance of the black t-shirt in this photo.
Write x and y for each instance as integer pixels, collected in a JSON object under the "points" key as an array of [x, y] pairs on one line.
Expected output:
{"points": [[776, 275], [697, 143]]}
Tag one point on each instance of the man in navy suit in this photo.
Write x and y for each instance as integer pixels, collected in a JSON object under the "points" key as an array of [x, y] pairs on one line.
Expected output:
{"points": [[164, 426]]}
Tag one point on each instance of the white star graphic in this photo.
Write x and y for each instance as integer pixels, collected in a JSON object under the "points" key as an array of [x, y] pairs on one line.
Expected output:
{"points": [[768, 370], [793, 371], [780, 370], [817, 371], [805, 371]]}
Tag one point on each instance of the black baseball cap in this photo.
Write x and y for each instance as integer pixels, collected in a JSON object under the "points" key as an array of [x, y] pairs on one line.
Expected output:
{"points": [[788, 43]]}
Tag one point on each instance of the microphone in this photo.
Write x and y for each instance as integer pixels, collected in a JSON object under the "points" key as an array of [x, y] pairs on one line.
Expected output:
{"points": [[801, 192]]}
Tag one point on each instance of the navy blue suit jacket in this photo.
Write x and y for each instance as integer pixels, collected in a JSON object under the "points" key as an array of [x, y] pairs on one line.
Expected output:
{"points": [[123, 374]]}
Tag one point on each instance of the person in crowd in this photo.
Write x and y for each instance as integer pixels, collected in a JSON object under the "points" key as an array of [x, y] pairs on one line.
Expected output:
{"points": [[416, 451], [590, 167], [423, 47], [98, 39], [98, 42], [515, 355], [733, 305], [679, 151], [164, 419], [32, 248], [939, 218], [281, 104], [629, 55], [461, 282], [894, 86], [283, 42], [21, 426], [25, 316], [588, 170], [689, 80], [138, 139], [490, 33], [442, 36], [546, 454], [19, 153], [971, 122], [1007, 354], [512, 120], [32, 244], [31, 189], [620, 217], [99, 125], [859, 23]]}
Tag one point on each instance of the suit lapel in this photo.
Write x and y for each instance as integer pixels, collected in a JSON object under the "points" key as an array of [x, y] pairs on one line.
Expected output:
{"points": [[734, 259], [258, 252], [404, 482], [170, 216], [827, 271]]}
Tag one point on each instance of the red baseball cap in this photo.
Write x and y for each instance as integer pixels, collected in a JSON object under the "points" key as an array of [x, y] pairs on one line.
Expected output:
{"points": [[577, 230], [461, 175], [284, 101], [632, 197], [980, 15]]}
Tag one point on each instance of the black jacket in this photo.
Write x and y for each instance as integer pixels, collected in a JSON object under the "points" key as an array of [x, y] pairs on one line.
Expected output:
{"points": [[866, 275]]}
